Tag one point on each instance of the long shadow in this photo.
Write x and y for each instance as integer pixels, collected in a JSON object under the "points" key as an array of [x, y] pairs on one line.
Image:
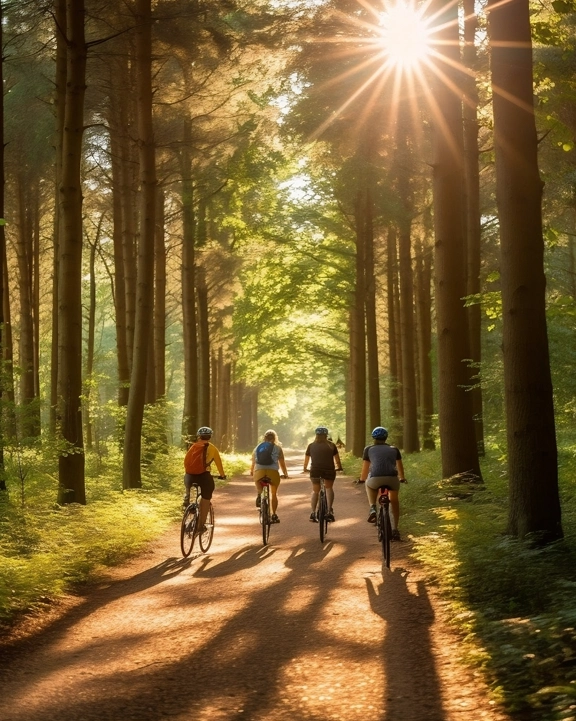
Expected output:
{"points": [[409, 665], [95, 598], [240, 560], [239, 668]]}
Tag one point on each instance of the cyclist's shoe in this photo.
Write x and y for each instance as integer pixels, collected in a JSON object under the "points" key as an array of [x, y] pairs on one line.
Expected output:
{"points": [[199, 531], [396, 535], [258, 501], [313, 517], [330, 516], [275, 518], [372, 516]]}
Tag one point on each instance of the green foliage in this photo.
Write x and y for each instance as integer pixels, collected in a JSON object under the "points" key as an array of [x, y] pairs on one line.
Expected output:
{"points": [[46, 548]]}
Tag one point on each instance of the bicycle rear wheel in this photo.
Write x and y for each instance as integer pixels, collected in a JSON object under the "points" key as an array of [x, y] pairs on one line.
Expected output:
{"points": [[265, 519], [206, 537], [189, 521], [322, 516], [386, 536]]}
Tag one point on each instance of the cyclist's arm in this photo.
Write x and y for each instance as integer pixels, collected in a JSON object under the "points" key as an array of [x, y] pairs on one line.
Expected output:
{"points": [[282, 463], [306, 463], [365, 470], [337, 461], [218, 462]]}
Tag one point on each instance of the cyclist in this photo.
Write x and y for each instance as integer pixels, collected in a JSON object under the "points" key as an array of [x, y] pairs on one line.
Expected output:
{"points": [[267, 458], [325, 462], [382, 466], [197, 463]]}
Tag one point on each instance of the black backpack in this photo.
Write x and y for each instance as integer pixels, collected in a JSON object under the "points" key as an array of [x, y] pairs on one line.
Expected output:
{"points": [[264, 453]]}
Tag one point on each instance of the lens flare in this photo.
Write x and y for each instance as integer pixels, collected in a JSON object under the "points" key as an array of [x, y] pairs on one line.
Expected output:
{"points": [[404, 36]]}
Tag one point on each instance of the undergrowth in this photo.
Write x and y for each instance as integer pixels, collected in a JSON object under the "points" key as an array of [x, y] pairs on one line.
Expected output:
{"points": [[45, 549], [514, 602]]}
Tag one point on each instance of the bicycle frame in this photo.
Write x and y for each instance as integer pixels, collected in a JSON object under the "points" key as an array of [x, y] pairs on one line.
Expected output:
{"points": [[190, 521], [383, 523], [265, 510], [322, 511]]}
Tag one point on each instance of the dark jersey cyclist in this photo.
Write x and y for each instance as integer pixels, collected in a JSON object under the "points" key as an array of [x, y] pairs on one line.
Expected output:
{"points": [[382, 466], [325, 460]]}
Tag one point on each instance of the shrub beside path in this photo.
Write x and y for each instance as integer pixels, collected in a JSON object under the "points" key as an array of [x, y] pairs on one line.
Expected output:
{"points": [[296, 630]]}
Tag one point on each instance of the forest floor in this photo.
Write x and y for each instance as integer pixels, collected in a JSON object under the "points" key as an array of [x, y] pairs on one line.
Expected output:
{"points": [[296, 630]]}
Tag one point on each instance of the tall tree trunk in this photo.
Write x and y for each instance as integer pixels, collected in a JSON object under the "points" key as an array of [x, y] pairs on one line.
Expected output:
{"points": [[457, 431], [423, 313], [204, 343], [90, 343], [190, 416], [473, 223], [392, 357], [9, 425], [25, 252], [3, 279], [71, 461], [532, 454], [119, 289], [409, 397], [160, 300], [131, 475], [224, 404], [59, 101], [36, 299], [214, 390], [358, 346], [371, 327]]}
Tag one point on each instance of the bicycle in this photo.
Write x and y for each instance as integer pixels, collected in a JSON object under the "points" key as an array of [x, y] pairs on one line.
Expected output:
{"points": [[322, 511], [190, 521], [383, 523], [265, 513]]}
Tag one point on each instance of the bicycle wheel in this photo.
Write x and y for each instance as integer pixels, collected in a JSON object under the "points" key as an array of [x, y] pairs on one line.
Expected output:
{"points": [[206, 537], [265, 519], [187, 529], [386, 536], [322, 516]]}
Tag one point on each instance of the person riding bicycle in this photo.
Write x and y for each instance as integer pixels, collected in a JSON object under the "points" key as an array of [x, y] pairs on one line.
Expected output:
{"points": [[267, 458], [382, 466], [325, 462], [197, 463]]}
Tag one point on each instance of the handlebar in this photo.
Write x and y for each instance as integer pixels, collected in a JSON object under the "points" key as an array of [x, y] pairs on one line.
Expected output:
{"points": [[221, 478], [285, 475]]}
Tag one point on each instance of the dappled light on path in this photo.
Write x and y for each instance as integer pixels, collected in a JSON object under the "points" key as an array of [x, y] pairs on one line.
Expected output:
{"points": [[295, 630]]}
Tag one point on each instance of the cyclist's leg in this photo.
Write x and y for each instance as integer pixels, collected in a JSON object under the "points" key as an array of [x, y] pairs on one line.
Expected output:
{"points": [[315, 493], [187, 485], [274, 477], [329, 485], [206, 483]]}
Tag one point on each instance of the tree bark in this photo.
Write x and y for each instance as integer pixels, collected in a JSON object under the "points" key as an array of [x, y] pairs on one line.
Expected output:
{"points": [[190, 415], [9, 425], [532, 453], [145, 269], [204, 343], [473, 223], [160, 300], [90, 340], [358, 344], [457, 433], [394, 423], [424, 319], [371, 326], [71, 461]]}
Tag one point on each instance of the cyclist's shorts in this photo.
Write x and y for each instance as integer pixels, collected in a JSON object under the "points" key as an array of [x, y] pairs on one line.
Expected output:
{"points": [[393, 482], [204, 480], [317, 473], [272, 474]]}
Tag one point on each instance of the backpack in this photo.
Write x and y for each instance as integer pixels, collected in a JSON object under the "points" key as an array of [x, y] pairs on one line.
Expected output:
{"points": [[195, 461], [264, 453]]}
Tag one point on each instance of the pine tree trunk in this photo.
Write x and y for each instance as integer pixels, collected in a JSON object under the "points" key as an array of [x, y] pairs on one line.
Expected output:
{"points": [[532, 453], [457, 431], [371, 327], [3, 279], [394, 422], [160, 300], [145, 269], [59, 102], [9, 423], [90, 341], [204, 343], [190, 415], [71, 461], [473, 224], [358, 345], [423, 313]]}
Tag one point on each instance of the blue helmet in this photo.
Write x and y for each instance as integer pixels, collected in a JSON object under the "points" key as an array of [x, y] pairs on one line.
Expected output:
{"points": [[321, 431], [380, 434]]}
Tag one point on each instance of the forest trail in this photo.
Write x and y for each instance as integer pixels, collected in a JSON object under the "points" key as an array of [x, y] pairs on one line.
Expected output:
{"points": [[297, 630]]}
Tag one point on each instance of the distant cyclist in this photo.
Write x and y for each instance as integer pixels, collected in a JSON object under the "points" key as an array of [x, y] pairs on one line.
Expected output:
{"points": [[323, 456], [382, 466], [197, 463], [267, 459]]}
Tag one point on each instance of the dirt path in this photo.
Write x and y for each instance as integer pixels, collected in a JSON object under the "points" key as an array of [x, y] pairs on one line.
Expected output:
{"points": [[293, 631]]}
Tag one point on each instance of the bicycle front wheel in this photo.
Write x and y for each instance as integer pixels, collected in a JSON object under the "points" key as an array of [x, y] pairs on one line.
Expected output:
{"points": [[206, 537], [189, 521], [265, 520], [386, 536], [323, 517]]}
